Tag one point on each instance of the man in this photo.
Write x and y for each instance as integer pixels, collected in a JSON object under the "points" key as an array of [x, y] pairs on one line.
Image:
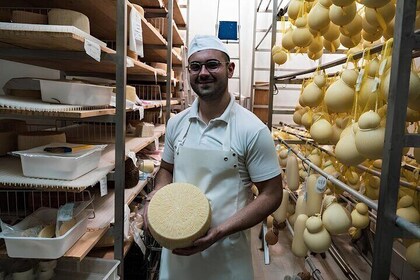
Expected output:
{"points": [[222, 148]]}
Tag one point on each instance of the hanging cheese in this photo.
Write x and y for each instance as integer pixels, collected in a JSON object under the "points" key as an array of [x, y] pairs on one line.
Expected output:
{"points": [[360, 216], [385, 14], [374, 3], [29, 140], [313, 196], [335, 218], [350, 42], [292, 173], [301, 36], [280, 214], [287, 41], [353, 28], [332, 33], [412, 255], [271, 238], [318, 17], [339, 96], [342, 15], [369, 139], [299, 248], [299, 209], [69, 17], [321, 131], [315, 236], [413, 90], [345, 150], [178, 214], [407, 210]]}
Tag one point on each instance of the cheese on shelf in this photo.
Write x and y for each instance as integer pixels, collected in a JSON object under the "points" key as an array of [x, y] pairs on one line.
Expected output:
{"points": [[34, 139], [178, 214], [29, 17], [69, 17]]}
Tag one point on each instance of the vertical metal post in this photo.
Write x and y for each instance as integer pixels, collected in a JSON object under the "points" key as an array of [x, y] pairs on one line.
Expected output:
{"points": [[273, 42], [169, 59], [239, 51], [394, 137], [254, 39], [121, 75]]}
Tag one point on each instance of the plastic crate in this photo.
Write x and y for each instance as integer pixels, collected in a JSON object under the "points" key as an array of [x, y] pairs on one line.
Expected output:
{"points": [[87, 269]]}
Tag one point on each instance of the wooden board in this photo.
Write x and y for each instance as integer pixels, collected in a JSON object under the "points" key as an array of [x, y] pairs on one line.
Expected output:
{"points": [[159, 55], [177, 15]]}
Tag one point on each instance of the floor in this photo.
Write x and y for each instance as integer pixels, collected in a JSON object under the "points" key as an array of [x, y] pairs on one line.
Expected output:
{"points": [[284, 263]]}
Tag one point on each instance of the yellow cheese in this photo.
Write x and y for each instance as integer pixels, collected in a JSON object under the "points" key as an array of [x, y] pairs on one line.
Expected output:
{"points": [[47, 231], [69, 17], [130, 93], [178, 214], [29, 17], [65, 227], [34, 139]]}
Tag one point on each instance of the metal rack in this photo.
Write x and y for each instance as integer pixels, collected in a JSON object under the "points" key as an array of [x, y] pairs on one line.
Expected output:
{"points": [[389, 226], [117, 61]]}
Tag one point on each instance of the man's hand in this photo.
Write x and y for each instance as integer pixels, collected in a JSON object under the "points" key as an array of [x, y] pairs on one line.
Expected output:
{"points": [[200, 244]]}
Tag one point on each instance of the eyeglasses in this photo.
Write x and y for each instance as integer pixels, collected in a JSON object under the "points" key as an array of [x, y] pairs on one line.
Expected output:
{"points": [[211, 65]]}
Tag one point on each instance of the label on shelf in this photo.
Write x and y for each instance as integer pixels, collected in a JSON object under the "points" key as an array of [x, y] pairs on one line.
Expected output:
{"points": [[136, 33], [103, 184], [93, 50]]}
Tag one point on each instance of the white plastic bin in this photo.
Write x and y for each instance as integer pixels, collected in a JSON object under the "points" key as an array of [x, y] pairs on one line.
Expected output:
{"points": [[75, 93], [64, 166], [87, 269], [44, 248]]}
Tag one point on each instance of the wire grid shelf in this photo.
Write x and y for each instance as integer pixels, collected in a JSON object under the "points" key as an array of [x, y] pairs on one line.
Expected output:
{"points": [[17, 204]]}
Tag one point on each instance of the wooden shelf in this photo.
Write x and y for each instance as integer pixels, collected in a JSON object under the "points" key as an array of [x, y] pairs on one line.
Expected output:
{"points": [[11, 175], [149, 104], [177, 15]]}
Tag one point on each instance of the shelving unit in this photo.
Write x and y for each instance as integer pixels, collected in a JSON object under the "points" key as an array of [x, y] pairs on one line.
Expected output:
{"points": [[64, 51], [388, 225]]}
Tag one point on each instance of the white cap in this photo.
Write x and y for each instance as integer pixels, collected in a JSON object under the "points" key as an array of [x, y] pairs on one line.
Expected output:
{"points": [[206, 42]]}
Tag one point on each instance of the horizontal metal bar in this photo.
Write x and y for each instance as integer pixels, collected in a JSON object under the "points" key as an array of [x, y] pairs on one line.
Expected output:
{"points": [[283, 111], [412, 140], [411, 228], [51, 54], [262, 50], [370, 203]]}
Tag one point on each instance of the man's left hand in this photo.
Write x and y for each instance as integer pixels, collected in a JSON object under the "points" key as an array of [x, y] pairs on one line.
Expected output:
{"points": [[199, 245]]}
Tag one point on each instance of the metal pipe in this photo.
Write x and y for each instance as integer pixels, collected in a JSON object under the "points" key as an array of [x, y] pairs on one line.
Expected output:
{"points": [[414, 229], [361, 167], [332, 179], [169, 59]]}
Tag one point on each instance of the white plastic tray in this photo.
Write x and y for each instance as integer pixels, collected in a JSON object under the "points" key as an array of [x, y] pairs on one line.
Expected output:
{"points": [[44, 248], [67, 166], [73, 93], [87, 269]]}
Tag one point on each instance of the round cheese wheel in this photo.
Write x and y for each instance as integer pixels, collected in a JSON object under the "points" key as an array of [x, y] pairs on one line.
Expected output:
{"points": [[34, 139], [178, 214]]}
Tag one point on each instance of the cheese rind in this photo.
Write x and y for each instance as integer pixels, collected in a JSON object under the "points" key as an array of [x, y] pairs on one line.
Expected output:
{"points": [[69, 17], [178, 214]]}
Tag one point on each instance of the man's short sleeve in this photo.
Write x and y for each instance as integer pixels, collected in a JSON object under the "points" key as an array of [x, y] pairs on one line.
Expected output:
{"points": [[262, 161]]}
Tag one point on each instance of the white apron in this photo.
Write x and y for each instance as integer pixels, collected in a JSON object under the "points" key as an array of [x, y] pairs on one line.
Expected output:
{"points": [[216, 173]]}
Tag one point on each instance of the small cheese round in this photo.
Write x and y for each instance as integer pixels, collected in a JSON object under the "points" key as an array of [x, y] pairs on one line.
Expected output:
{"points": [[178, 214], [65, 227], [47, 231]]}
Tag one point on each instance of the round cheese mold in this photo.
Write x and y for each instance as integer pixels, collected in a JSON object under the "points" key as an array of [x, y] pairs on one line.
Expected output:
{"points": [[178, 214]]}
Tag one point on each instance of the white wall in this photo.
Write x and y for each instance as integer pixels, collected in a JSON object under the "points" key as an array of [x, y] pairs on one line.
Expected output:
{"points": [[18, 70]]}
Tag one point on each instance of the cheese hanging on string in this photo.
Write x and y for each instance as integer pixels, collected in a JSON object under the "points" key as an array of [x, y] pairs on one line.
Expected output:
{"points": [[178, 214]]}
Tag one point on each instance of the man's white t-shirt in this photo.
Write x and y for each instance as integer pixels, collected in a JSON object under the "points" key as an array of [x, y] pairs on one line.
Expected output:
{"points": [[250, 139]]}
